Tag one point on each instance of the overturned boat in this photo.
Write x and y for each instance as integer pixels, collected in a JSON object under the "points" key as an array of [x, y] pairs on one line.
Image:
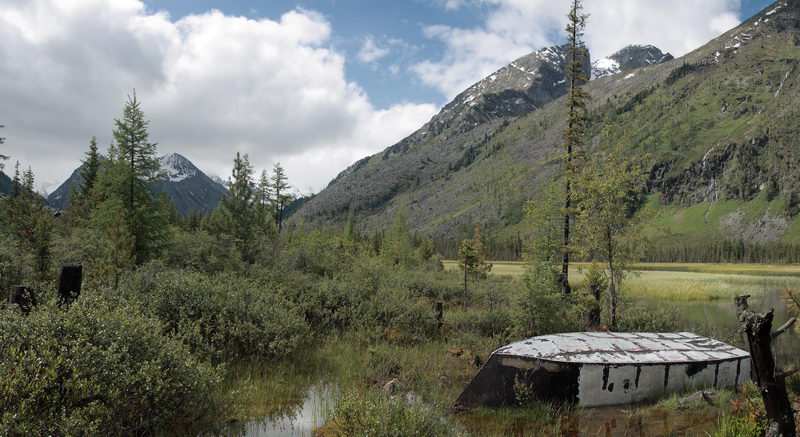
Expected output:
{"points": [[594, 369]]}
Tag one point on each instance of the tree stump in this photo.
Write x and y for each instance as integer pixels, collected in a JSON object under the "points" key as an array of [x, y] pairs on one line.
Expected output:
{"points": [[439, 315], [23, 297], [69, 283], [771, 383]]}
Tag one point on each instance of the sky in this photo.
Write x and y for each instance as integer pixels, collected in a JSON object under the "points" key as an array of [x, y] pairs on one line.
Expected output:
{"points": [[312, 84]]}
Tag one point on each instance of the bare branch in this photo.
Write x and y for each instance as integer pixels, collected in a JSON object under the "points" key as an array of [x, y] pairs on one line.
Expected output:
{"points": [[783, 328], [789, 373]]}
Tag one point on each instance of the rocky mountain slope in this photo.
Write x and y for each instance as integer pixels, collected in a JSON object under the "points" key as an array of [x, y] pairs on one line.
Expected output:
{"points": [[629, 58], [720, 124], [186, 186]]}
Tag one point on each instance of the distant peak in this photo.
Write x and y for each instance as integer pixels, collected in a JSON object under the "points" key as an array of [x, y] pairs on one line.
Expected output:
{"points": [[177, 168], [629, 58]]}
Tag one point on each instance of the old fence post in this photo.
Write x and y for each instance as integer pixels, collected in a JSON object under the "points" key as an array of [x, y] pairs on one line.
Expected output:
{"points": [[22, 296], [771, 383], [439, 315], [69, 283]]}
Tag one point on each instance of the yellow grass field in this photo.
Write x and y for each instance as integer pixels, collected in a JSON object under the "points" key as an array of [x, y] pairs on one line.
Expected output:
{"points": [[686, 282]]}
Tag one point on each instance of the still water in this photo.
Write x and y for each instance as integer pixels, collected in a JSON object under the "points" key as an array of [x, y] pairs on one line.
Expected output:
{"points": [[714, 318]]}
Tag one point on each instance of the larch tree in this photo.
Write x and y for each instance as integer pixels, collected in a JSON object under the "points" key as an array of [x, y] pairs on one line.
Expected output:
{"points": [[2, 157], [237, 206], [280, 193], [128, 178], [608, 191], [472, 258], [89, 169], [577, 118]]}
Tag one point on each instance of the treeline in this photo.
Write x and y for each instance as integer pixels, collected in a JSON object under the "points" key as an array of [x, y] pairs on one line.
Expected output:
{"points": [[725, 252]]}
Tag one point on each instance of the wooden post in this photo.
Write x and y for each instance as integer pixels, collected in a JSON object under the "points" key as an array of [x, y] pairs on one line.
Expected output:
{"points": [[439, 315], [771, 383], [24, 297], [69, 283]]}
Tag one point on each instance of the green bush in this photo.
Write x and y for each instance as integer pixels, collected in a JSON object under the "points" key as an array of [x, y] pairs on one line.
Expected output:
{"points": [[375, 415], [227, 316], [638, 317], [202, 252], [541, 309], [96, 369]]}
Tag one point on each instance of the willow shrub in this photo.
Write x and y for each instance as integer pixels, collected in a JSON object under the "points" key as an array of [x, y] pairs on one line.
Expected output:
{"points": [[221, 317], [96, 369]]}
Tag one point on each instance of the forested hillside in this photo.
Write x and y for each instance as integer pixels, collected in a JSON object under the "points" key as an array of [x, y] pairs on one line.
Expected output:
{"points": [[719, 125]]}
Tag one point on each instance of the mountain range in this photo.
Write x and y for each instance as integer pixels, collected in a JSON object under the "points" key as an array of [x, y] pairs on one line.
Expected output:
{"points": [[720, 124], [186, 186]]}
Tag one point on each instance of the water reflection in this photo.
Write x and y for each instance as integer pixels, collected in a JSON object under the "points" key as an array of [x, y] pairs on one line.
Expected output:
{"points": [[299, 423]]}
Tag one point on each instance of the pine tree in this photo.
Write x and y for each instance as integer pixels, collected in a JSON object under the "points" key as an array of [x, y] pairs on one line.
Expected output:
{"points": [[89, 170], [120, 251], [280, 193], [575, 135]]}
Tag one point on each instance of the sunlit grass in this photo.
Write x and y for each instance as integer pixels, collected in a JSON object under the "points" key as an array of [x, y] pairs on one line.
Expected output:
{"points": [[685, 281]]}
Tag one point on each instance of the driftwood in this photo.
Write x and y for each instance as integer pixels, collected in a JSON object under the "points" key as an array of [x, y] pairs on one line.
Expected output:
{"points": [[771, 383], [69, 283], [23, 297], [710, 397]]}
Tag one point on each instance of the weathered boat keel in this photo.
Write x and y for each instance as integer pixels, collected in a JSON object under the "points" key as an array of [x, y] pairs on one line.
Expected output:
{"points": [[599, 369]]}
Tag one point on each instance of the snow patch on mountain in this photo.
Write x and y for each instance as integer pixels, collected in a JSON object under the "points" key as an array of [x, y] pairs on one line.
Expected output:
{"points": [[629, 58], [176, 168]]}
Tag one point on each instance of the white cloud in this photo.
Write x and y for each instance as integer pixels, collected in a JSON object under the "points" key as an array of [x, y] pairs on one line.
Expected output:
{"points": [[514, 28], [210, 84], [371, 52]]}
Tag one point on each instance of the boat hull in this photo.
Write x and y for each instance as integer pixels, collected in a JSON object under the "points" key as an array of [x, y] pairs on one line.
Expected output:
{"points": [[507, 380]]}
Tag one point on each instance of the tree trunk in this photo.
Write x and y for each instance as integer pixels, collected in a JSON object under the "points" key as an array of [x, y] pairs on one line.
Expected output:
{"points": [[771, 384], [24, 297], [439, 315], [612, 286]]}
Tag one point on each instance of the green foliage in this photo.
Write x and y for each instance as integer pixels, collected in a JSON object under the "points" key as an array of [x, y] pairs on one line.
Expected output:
{"points": [[376, 415], [738, 426], [226, 316], [124, 188], [541, 308], [676, 74], [96, 369], [202, 252], [396, 247]]}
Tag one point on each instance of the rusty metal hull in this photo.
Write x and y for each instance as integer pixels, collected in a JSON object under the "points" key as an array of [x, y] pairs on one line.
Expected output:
{"points": [[601, 369]]}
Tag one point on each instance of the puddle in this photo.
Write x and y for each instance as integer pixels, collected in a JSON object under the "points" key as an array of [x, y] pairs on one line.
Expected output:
{"points": [[299, 423]]}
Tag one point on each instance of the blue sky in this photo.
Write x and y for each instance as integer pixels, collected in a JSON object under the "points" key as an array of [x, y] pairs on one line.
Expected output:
{"points": [[314, 84], [354, 20]]}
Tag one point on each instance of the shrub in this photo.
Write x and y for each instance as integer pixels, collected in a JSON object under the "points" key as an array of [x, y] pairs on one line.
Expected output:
{"points": [[647, 318], [202, 252], [95, 369], [541, 308], [375, 415], [225, 316]]}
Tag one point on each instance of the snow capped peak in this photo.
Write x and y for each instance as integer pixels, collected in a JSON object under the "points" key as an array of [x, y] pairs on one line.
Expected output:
{"points": [[177, 168], [629, 58], [604, 67], [220, 181]]}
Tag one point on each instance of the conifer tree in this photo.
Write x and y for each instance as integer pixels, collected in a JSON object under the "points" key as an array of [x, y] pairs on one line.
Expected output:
{"points": [[2, 157], [128, 178], [575, 135], [238, 204], [472, 258], [607, 191], [396, 246], [16, 183], [280, 193], [89, 170]]}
